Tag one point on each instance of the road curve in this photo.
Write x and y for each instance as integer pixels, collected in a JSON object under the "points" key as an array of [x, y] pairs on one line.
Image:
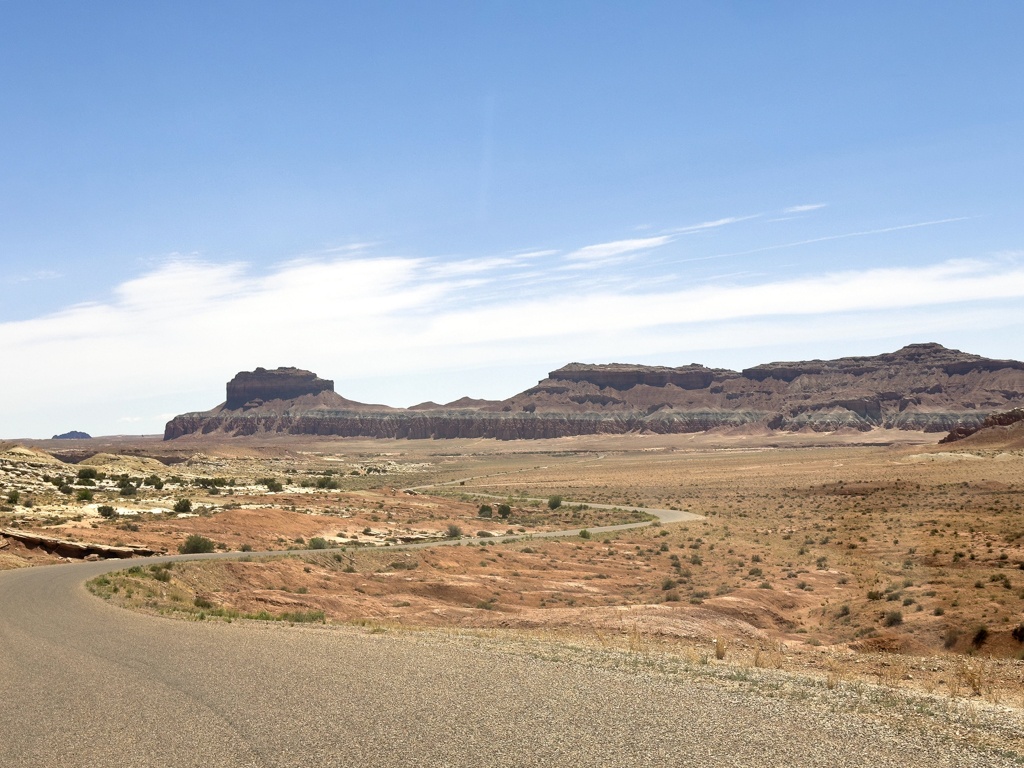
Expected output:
{"points": [[83, 683]]}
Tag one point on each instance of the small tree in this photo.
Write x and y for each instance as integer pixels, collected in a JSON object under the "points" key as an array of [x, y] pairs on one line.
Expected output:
{"points": [[318, 542], [183, 506], [504, 510], [454, 532], [128, 490], [554, 502], [486, 510], [106, 511], [87, 473], [273, 486], [196, 545], [84, 495], [13, 496]]}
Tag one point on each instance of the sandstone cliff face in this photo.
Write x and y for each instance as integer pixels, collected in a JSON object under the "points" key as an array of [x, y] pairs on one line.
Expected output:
{"points": [[261, 385], [961, 431], [920, 387]]}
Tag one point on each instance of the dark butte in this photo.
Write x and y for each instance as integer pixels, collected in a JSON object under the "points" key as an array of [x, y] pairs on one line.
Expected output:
{"points": [[920, 387]]}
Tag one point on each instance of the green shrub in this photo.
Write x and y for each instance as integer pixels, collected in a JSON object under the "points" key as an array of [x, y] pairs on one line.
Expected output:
{"points": [[893, 618], [554, 502], [668, 584], [584, 534], [486, 510], [318, 542], [202, 602], [311, 617], [273, 486], [13, 496], [87, 473], [128, 490], [874, 595], [504, 510], [246, 547], [195, 545], [950, 636], [66, 489], [484, 534], [106, 511], [183, 506], [84, 495], [1018, 633], [454, 531]]}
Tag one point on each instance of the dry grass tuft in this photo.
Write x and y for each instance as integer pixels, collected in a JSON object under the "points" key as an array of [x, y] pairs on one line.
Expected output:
{"points": [[971, 673], [721, 646]]}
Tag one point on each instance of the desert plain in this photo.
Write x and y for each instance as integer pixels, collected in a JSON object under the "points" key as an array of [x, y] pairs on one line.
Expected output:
{"points": [[867, 562]]}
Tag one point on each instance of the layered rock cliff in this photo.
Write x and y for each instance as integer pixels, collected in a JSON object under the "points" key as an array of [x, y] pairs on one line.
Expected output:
{"points": [[963, 431], [920, 387], [254, 388]]}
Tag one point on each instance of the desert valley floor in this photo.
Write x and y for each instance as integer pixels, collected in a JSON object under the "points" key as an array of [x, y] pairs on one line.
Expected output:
{"points": [[843, 564]]}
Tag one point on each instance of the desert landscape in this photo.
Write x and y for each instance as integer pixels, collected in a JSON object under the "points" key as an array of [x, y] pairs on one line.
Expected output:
{"points": [[512, 385], [879, 558]]}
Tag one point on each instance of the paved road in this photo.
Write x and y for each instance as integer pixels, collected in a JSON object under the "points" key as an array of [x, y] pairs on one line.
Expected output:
{"points": [[664, 515], [83, 683]]}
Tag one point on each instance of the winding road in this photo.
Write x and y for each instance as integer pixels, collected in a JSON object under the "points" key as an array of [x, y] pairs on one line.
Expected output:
{"points": [[83, 683]]}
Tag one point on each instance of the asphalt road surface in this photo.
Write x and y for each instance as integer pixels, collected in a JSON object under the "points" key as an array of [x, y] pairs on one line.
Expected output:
{"points": [[83, 683]]}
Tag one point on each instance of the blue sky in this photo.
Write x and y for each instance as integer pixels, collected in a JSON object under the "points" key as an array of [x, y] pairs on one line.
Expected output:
{"points": [[429, 200]]}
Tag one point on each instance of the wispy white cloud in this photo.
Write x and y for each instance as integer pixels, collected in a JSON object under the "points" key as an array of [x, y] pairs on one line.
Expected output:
{"points": [[604, 252], [804, 208], [533, 254], [714, 224], [43, 274], [831, 237]]}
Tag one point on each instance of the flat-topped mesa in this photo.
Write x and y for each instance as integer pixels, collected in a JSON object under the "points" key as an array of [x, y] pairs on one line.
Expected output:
{"points": [[622, 376], [279, 384], [917, 357], [919, 387]]}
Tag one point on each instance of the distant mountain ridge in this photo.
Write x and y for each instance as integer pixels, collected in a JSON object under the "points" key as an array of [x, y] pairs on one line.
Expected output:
{"points": [[919, 387]]}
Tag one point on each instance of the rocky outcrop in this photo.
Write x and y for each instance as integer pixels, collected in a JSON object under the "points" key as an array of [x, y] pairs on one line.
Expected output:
{"points": [[254, 388], [961, 431], [920, 387], [73, 435], [622, 377], [78, 549]]}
